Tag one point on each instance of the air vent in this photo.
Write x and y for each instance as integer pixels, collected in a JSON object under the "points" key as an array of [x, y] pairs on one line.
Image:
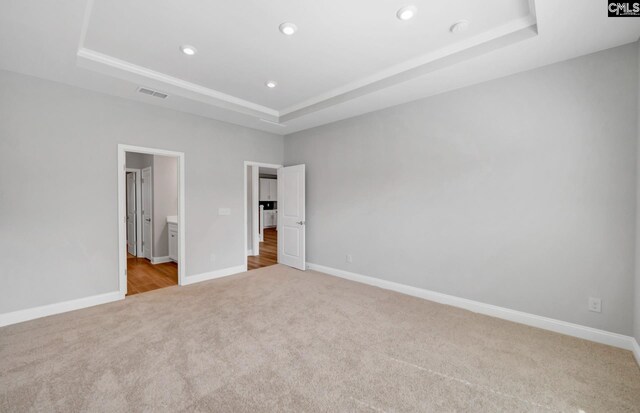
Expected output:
{"points": [[152, 93]]}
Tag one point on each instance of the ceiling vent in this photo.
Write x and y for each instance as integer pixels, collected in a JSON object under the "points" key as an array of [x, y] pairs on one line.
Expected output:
{"points": [[150, 92]]}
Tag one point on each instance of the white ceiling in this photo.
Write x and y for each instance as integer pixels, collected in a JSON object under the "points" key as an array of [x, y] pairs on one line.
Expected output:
{"points": [[240, 47], [347, 58]]}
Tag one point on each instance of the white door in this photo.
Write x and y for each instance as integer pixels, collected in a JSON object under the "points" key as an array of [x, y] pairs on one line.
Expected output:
{"points": [[131, 213], [146, 212], [291, 216]]}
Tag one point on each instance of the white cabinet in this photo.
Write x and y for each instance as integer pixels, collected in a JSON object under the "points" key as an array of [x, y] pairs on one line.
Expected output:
{"points": [[173, 241], [268, 189], [270, 218]]}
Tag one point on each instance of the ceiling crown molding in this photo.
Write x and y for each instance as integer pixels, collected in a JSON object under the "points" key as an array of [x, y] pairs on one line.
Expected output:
{"points": [[90, 59]]}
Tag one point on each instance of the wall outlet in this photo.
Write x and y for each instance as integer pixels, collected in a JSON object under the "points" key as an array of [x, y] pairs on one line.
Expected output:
{"points": [[349, 258], [595, 304], [213, 258]]}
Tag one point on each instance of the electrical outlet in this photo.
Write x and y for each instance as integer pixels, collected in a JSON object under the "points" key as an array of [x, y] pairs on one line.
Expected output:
{"points": [[349, 258], [595, 304], [213, 258]]}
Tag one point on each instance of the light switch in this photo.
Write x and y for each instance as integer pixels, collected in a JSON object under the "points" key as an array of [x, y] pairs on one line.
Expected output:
{"points": [[224, 211]]}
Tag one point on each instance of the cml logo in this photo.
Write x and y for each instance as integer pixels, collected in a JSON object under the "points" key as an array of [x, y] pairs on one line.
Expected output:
{"points": [[624, 8]]}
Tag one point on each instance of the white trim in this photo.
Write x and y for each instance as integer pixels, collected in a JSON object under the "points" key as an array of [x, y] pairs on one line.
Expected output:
{"points": [[57, 308], [160, 260], [122, 233], [558, 326], [636, 350], [255, 218], [192, 279], [244, 185], [138, 172], [261, 224], [249, 252]]}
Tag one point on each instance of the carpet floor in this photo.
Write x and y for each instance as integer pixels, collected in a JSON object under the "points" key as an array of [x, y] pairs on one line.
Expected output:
{"points": [[278, 339]]}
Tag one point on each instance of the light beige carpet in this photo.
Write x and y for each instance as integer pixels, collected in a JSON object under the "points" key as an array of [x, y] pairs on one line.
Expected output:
{"points": [[277, 339]]}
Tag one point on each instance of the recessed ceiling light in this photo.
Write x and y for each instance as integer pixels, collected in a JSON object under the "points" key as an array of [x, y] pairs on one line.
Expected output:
{"points": [[188, 50], [459, 26], [271, 84], [288, 28], [407, 13]]}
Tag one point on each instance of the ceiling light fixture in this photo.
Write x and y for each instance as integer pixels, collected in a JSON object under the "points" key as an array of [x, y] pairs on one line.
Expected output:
{"points": [[406, 13], [188, 50], [271, 84], [288, 28], [459, 26]]}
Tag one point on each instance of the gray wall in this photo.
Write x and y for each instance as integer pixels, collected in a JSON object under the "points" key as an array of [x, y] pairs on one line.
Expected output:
{"points": [[58, 187], [519, 192], [165, 201]]}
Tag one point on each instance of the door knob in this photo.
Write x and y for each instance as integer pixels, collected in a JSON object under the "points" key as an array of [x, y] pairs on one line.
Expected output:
{"points": [[300, 222], [148, 219]]}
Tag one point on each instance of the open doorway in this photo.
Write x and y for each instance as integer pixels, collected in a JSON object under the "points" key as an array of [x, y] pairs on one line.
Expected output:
{"points": [[261, 214], [151, 210]]}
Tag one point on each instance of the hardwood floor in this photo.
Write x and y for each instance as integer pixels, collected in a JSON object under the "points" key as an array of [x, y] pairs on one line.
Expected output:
{"points": [[268, 251], [142, 276]]}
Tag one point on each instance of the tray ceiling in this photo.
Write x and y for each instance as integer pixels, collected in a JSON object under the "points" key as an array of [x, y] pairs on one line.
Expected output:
{"points": [[347, 58]]}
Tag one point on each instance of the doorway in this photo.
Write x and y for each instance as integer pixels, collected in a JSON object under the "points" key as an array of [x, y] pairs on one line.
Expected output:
{"points": [[151, 219], [275, 226], [261, 214]]}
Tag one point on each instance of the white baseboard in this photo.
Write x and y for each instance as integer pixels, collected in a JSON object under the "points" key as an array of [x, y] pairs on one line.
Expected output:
{"points": [[249, 253], [77, 304], [192, 279], [57, 308], [160, 260], [558, 326], [636, 350]]}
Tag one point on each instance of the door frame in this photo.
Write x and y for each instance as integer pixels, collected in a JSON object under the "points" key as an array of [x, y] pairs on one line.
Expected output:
{"points": [[138, 174], [122, 212], [255, 202]]}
